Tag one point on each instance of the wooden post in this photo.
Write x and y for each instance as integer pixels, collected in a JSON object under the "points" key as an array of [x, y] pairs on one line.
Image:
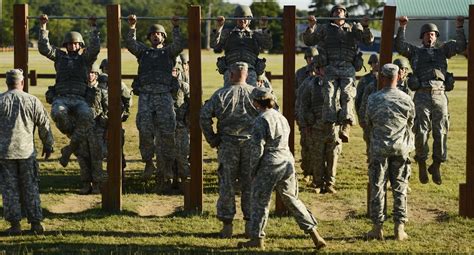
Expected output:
{"points": [[289, 42], [112, 194], [386, 46], [20, 39], [193, 201], [33, 78], [466, 190]]}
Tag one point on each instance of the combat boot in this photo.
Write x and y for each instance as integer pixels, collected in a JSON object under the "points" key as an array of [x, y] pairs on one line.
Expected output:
{"points": [[150, 169], [226, 231], [376, 232], [95, 188], [253, 243], [86, 189], [37, 228], [14, 230], [66, 153], [344, 132], [330, 189], [423, 175], [399, 231], [318, 241], [435, 172]]}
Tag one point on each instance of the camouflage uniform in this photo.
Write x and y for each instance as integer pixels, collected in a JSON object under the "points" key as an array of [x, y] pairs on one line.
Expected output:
{"points": [[69, 109], [369, 79], [300, 76], [241, 45], [430, 69], [156, 119], [235, 114], [323, 140], [181, 107], [273, 167], [20, 115], [340, 45], [390, 115]]}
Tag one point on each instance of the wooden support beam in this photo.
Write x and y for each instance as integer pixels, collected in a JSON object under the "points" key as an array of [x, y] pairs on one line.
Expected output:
{"points": [[33, 78], [112, 193], [20, 39], [466, 190], [193, 199], [289, 52]]}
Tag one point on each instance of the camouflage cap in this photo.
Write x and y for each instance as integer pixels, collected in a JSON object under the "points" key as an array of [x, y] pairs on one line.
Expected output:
{"points": [[390, 70], [261, 93], [239, 66], [14, 76]]}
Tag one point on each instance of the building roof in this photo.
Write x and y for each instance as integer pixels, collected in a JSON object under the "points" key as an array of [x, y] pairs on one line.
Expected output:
{"points": [[431, 8]]}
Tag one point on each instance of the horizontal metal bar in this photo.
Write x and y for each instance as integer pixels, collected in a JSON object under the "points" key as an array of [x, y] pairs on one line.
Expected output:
{"points": [[337, 18]]}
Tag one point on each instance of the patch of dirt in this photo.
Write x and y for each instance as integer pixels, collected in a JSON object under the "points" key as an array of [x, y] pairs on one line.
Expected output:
{"points": [[76, 204], [161, 206], [423, 214], [330, 210]]}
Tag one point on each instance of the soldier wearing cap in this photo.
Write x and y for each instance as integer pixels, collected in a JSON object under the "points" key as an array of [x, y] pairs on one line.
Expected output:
{"points": [[185, 66], [235, 114], [322, 140], [390, 115], [339, 41], [156, 87], [430, 81], [20, 114], [69, 95], [273, 167], [241, 44]]}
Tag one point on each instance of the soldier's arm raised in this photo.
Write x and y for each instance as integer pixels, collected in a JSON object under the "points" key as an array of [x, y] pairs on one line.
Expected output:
{"points": [[264, 37], [206, 115], [178, 41], [43, 40], [401, 45], [217, 39], [452, 48], [135, 47], [364, 33], [313, 34], [92, 51]]}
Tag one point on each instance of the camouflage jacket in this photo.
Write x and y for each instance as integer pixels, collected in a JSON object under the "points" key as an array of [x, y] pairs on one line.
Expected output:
{"points": [[181, 105], [20, 114], [390, 116], [364, 81], [311, 106], [219, 38]]}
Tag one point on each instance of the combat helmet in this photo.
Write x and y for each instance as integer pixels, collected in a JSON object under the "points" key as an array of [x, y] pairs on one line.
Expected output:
{"points": [[310, 52], [339, 6], [401, 63], [428, 27], [157, 28], [242, 11], [104, 64], [373, 59], [184, 58], [73, 37]]}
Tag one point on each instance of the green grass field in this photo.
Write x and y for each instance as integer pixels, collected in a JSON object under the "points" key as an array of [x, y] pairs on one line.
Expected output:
{"points": [[151, 223]]}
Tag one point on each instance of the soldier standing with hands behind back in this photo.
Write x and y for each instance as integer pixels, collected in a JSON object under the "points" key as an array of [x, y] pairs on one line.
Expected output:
{"points": [[156, 87], [339, 41], [430, 81]]}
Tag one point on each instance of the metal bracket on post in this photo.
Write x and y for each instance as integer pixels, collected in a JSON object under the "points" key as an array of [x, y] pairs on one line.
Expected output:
{"points": [[20, 40], [112, 194], [193, 194], [466, 190]]}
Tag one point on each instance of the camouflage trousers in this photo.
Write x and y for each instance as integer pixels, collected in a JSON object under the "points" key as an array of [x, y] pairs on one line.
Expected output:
{"points": [[381, 169], [90, 155], [182, 152], [366, 136], [339, 89], [156, 123], [234, 165], [325, 147], [19, 178], [251, 78], [281, 177], [431, 115], [305, 154], [73, 117]]}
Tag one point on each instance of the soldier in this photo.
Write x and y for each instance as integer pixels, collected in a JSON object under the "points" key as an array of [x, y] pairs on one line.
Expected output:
{"points": [[390, 115], [70, 94], [301, 74], [241, 44], [156, 119], [403, 73], [430, 81], [126, 103], [324, 145], [235, 113], [339, 41], [369, 78], [20, 114], [185, 64], [273, 166], [89, 153], [181, 107]]}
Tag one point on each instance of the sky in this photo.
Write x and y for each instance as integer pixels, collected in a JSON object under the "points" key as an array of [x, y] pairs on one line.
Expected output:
{"points": [[300, 4]]}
